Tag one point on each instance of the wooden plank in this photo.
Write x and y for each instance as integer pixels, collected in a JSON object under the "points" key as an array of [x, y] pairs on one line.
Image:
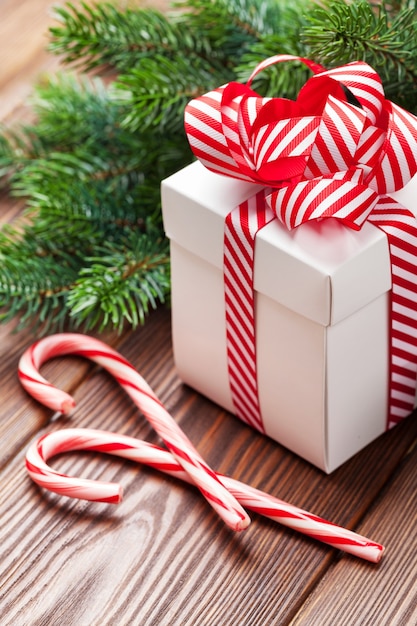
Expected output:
{"points": [[23, 56], [163, 557], [24, 38], [386, 595]]}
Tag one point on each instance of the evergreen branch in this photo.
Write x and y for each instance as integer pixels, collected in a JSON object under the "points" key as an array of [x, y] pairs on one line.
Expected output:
{"points": [[155, 92], [286, 39], [110, 193], [33, 286], [103, 35], [72, 110], [80, 130], [119, 288], [342, 32], [7, 155], [230, 26], [53, 278], [90, 166]]}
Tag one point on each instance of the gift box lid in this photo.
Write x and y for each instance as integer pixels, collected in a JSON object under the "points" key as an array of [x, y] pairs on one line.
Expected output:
{"points": [[322, 270]]}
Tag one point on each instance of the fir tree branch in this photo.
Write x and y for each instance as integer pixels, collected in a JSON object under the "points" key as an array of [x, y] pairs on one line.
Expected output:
{"points": [[230, 26], [48, 281], [104, 35], [342, 32], [119, 288], [285, 39], [155, 92], [104, 186], [72, 109], [34, 285]]}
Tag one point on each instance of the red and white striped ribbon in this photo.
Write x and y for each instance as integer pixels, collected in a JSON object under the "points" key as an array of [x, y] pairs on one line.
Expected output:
{"points": [[400, 227], [241, 226], [317, 157]]}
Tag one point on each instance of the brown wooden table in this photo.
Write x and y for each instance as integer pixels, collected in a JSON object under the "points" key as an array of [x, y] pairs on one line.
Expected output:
{"points": [[162, 557]]}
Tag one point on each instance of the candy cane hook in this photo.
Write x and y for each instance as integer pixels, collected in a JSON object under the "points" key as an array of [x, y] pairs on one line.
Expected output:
{"points": [[222, 501], [70, 439]]}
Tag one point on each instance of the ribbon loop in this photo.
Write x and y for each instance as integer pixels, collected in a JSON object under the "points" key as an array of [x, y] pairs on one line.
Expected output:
{"points": [[280, 58], [362, 81], [327, 197], [338, 136]]}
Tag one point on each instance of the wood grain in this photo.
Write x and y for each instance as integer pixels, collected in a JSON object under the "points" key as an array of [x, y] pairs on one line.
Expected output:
{"points": [[385, 595], [162, 557], [23, 55]]}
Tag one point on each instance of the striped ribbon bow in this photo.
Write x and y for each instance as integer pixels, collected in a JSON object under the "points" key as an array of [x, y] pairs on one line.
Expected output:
{"points": [[338, 151]]}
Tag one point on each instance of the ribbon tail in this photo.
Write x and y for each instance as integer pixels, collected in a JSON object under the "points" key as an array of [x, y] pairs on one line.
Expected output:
{"points": [[400, 227], [241, 227]]}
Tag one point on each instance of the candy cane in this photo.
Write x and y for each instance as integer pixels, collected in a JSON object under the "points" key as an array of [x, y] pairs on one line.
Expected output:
{"points": [[176, 441], [146, 453]]}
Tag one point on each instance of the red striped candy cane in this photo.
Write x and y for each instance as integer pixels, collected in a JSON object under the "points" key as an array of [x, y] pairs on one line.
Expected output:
{"points": [[142, 395], [66, 440]]}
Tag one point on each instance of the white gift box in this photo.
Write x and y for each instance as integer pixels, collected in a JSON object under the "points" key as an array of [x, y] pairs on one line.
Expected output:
{"points": [[322, 317]]}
